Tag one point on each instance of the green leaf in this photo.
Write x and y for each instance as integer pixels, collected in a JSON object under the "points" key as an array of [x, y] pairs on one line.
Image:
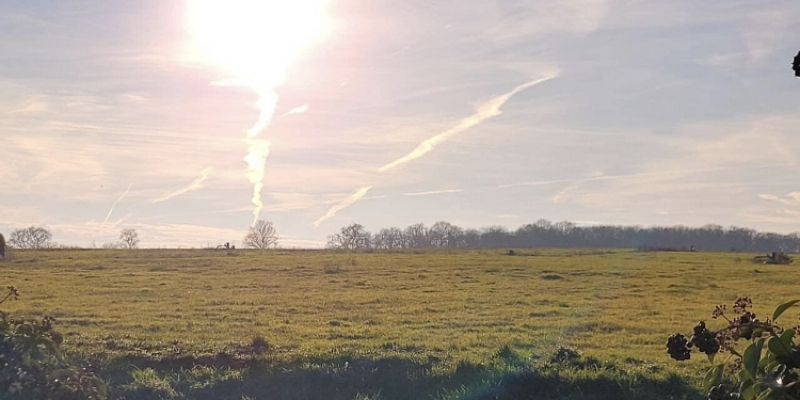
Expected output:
{"points": [[786, 337], [776, 347], [748, 390], [752, 355], [772, 365], [101, 387], [766, 395], [713, 377], [763, 362], [711, 358], [744, 376], [50, 345], [782, 308]]}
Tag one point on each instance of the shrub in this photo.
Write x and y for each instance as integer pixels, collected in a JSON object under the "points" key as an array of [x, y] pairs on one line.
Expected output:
{"points": [[767, 368], [33, 366]]}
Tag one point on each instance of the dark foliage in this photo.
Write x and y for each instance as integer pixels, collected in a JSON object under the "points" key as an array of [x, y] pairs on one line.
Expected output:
{"points": [[32, 366], [796, 65], [767, 369]]}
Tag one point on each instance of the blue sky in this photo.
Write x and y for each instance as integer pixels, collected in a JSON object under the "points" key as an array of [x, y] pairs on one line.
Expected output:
{"points": [[679, 112]]}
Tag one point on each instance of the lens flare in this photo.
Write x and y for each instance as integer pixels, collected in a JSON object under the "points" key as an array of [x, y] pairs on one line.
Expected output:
{"points": [[256, 41]]}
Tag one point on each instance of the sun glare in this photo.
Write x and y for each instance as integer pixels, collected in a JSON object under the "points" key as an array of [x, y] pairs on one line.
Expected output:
{"points": [[255, 40]]}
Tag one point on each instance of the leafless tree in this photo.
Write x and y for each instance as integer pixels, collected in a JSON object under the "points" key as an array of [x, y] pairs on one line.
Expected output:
{"points": [[31, 238], [262, 235], [564, 234], [352, 237], [417, 236], [445, 234], [129, 239], [389, 239]]}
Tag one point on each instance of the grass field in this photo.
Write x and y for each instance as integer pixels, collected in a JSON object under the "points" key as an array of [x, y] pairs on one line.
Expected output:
{"points": [[180, 324]]}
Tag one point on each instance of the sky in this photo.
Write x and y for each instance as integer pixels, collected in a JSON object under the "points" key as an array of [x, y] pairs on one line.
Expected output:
{"points": [[494, 112]]}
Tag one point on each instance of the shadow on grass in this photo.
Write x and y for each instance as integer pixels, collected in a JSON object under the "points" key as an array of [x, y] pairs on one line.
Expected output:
{"points": [[533, 385], [393, 378]]}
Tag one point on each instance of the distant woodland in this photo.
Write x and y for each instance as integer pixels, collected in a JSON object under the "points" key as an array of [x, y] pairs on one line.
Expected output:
{"points": [[544, 234]]}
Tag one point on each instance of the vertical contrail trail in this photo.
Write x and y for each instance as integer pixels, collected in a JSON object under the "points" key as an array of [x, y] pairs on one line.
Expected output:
{"points": [[258, 149], [115, 204], [256, 41]]}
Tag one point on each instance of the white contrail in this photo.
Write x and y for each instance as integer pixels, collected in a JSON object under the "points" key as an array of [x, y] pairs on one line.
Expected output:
{"points": [[297, 110], [490, 109], [343, 204], [258, 149], [485, 111], [559, 197], [115, 204], [446, 191], [196, 184]]}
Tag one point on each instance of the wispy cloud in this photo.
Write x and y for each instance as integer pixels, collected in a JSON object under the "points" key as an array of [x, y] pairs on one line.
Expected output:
{"points": [[196, 184], [343, 204], [433, 192], [791, 199], [488, 110], [115, 204]]}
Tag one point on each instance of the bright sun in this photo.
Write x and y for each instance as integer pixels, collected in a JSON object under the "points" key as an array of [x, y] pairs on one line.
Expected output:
{"points": [[255, 40]]}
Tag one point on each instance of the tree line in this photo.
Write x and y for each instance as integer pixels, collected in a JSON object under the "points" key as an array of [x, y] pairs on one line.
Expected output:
{"points": [[544, 233], [540, 234], [262, 235], [38, 238]]}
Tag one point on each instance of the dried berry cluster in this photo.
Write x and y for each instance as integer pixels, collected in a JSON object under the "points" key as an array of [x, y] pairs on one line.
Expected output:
{"points": [[705, 340], [678, 347], [744, 325]]}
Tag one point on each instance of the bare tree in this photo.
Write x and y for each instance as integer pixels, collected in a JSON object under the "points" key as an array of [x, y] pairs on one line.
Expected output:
{"points": [[445, 234], [262, 235], [352, 237], [31, 238], [2, 246], [129, 239], [564, 234], [417, 236], [389, 239]]}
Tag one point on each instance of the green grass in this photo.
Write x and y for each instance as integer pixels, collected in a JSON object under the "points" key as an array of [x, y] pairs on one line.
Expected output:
{"points": [[178, 324]]}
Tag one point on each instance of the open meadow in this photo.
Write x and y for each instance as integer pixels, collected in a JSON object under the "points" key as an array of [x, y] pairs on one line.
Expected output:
{"points": [[220, 324]]}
